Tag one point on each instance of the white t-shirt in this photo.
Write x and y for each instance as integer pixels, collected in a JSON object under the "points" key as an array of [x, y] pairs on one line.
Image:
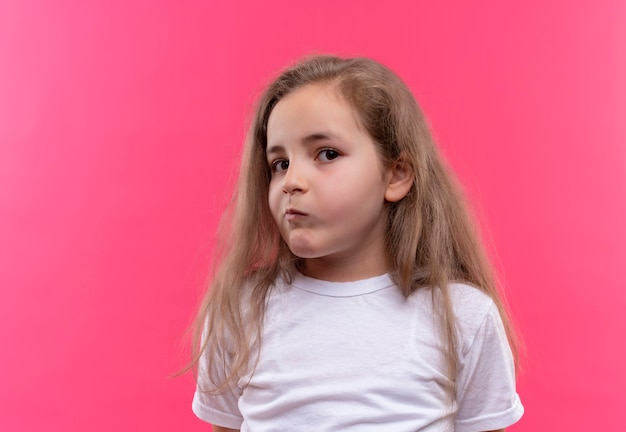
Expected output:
{"points": [[359, 356]]}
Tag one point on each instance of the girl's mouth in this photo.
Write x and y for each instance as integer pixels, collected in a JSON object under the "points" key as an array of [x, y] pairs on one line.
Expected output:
{"points": [[294, 214]]}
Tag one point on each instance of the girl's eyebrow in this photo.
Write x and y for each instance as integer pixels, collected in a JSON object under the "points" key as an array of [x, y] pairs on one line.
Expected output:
{"points": [[320, 136], [309, 139], [274, 150]]}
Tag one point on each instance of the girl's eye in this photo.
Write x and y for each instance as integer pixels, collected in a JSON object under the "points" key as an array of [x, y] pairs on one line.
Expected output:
{"points": [[280, 165], [327, 155]]}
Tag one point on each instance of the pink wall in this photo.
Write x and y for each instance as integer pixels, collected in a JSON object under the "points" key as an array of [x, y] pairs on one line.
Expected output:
{"points": [[119, 125]]}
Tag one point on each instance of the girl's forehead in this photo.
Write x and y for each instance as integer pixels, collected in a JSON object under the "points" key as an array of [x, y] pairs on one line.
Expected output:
{"points": [[311, 94], [309, 110]]}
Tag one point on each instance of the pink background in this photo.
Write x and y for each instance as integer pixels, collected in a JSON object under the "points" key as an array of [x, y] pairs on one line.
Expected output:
{"points": [[120, 124]]}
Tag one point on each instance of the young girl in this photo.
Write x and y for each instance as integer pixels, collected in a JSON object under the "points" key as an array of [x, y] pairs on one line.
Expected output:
{"points": [[351, 293]]}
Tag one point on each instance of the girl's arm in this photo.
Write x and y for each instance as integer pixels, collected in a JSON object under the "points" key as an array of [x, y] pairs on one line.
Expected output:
{"points": [[223, 429]]}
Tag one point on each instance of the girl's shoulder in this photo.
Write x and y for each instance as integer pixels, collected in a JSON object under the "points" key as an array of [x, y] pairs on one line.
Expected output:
{"points": [[477, 317], [471, 305], [468, 302], [474, 310]]}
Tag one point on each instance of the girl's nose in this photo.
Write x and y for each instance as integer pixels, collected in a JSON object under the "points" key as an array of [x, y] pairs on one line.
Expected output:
{"points": [[294, 180]]}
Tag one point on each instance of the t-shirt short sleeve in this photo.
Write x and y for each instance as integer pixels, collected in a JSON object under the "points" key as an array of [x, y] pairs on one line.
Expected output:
{"points": [[221, 408], [486, 395]]}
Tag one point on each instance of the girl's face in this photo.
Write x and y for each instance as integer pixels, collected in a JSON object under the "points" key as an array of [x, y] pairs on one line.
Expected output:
{"points": [[328, 186]]}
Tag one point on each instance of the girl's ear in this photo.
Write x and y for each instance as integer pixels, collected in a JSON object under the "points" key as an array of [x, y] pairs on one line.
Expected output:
{"points": [[400, 181]]}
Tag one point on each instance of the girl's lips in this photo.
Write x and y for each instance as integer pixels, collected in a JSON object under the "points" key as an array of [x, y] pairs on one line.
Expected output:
{"points": [[294, 214]]}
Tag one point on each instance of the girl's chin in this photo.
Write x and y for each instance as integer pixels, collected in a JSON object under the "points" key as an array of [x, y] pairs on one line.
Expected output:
{"points": [[303, 249], [305, 254]]}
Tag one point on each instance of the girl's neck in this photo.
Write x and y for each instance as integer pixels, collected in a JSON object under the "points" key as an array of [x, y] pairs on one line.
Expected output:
{"points": [[338, 270]]}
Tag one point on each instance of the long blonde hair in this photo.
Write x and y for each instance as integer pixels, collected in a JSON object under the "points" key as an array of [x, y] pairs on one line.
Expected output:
{"points": [[430, 240]]}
